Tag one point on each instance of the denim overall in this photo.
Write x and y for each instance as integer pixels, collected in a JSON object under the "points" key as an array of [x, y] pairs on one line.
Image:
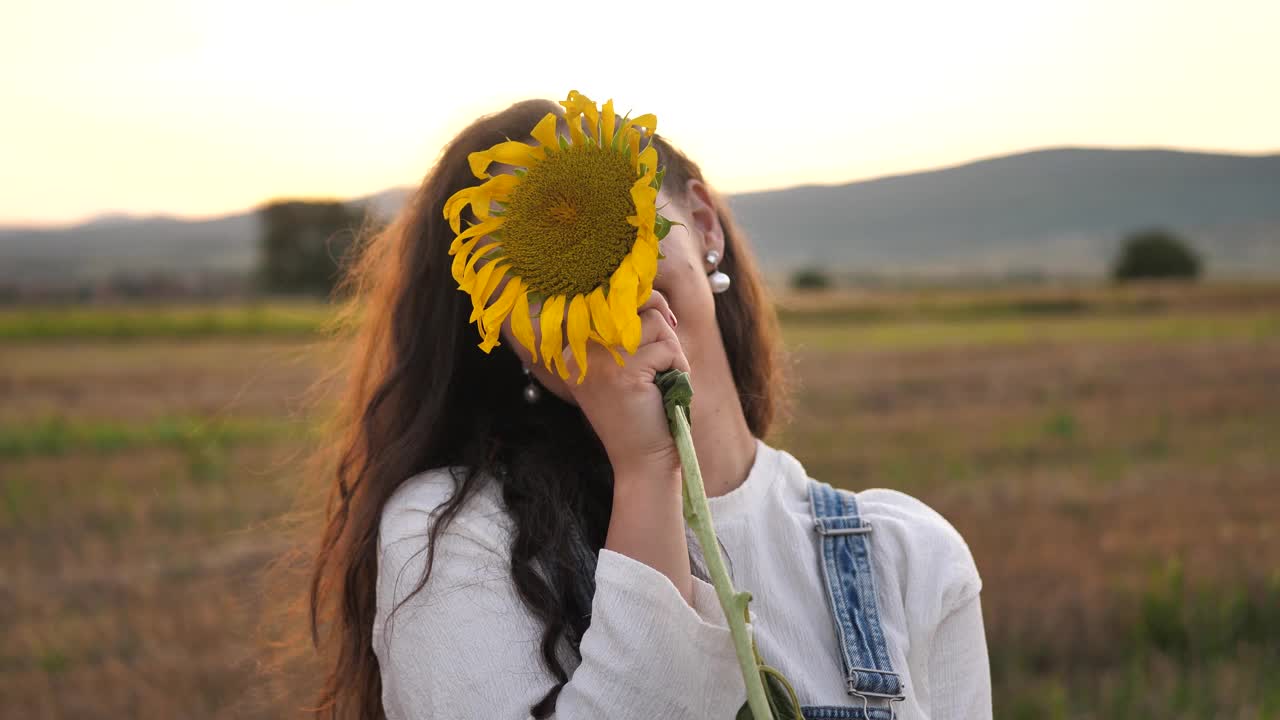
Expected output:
{"points": [[851, 596]]}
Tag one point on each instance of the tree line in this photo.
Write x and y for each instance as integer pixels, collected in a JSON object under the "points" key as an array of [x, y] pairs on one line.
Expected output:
{"points": [[305, 245], [1147, 254]]}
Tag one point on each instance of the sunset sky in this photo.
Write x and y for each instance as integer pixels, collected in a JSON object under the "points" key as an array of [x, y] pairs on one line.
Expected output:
{"points": [[202, 108]]}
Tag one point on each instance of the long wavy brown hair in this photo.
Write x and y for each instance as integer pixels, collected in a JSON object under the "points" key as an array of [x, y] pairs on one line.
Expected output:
{"points": [[419, 394]]}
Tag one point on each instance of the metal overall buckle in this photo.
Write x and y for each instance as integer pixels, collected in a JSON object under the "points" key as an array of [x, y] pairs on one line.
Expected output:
{"points": [[825, 526], [866, 695]]}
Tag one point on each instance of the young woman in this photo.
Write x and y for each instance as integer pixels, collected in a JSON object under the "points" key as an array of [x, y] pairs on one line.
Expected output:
{"points": [[505, 544]]}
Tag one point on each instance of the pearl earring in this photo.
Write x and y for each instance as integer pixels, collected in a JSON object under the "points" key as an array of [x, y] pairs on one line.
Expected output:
{"points": [[532, 393], [719, 281]]}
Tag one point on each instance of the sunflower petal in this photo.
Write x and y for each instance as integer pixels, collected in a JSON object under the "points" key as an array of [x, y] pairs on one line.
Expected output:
{"points": [[503, 279], [645, 199], [586, 106], [644, 258], [623, 287], [491, 322], [551, 318], [573, 116], [595, 337], [475, 231], [479, 198], [522, 326], [486, 282], [469, 275], [575, 129], [579, 327], [648, 158], [460, 259], [608, 120], [499, 186], [647, 121], [577, 105], [453, 208], [601, 316], [511, 152], [633, 144], [545, 132]]}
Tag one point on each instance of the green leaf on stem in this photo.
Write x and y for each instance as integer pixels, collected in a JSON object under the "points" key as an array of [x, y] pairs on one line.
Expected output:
{"points": [[661, 226], [782, 697]]}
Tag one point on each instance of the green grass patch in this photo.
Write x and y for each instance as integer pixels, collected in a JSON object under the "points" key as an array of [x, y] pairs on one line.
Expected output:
{"points": [[926, 334], [203, 439], [845, 444], [914, 310], [1181, 651], [142, 321], [959, 304], [888, 318]]}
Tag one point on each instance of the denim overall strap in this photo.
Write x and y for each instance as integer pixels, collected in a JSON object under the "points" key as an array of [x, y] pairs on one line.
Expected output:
{"points": [[846, 567]]}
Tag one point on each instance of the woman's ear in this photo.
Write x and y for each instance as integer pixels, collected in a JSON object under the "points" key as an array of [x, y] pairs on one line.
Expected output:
{"points": [[706, 222]]}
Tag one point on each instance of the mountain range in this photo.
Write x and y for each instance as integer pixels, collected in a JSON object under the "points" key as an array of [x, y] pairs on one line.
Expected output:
{"points": [[1055, 211]]}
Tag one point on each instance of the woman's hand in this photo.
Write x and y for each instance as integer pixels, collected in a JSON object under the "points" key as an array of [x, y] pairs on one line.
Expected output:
{"points": [[624, 407], [623, 404]]}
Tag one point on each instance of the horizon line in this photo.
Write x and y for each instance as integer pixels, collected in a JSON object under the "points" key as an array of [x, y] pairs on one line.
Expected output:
{"points": [[125, 216]]}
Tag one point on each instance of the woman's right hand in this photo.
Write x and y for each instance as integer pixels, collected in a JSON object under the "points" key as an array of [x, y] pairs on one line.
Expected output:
{"points": [[624, 407], [623, 404]]}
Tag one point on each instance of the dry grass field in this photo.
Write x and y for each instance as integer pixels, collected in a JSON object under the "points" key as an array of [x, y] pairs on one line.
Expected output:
{"points": [[1112, 457]]}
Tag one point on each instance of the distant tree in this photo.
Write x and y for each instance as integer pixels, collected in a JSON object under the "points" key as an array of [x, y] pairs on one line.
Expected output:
{"points": [[810, 279], [304, 244], [1156, 253]]}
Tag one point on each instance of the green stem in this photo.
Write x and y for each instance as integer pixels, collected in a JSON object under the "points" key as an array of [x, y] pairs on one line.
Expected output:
{"points": [[676, 395]]}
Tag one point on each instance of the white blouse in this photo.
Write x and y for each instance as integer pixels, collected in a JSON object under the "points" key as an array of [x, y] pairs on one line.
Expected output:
{"points": [[466, 647]]}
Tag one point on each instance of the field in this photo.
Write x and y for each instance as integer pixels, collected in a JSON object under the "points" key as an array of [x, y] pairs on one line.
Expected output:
{"points": [[1111, 456]]}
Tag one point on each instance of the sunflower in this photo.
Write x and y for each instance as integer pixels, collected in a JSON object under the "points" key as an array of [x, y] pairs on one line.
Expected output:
{"points": [[576, 232]]}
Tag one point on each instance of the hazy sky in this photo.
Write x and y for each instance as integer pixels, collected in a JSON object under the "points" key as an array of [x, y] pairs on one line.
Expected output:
{"points": [[199, 108]]}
